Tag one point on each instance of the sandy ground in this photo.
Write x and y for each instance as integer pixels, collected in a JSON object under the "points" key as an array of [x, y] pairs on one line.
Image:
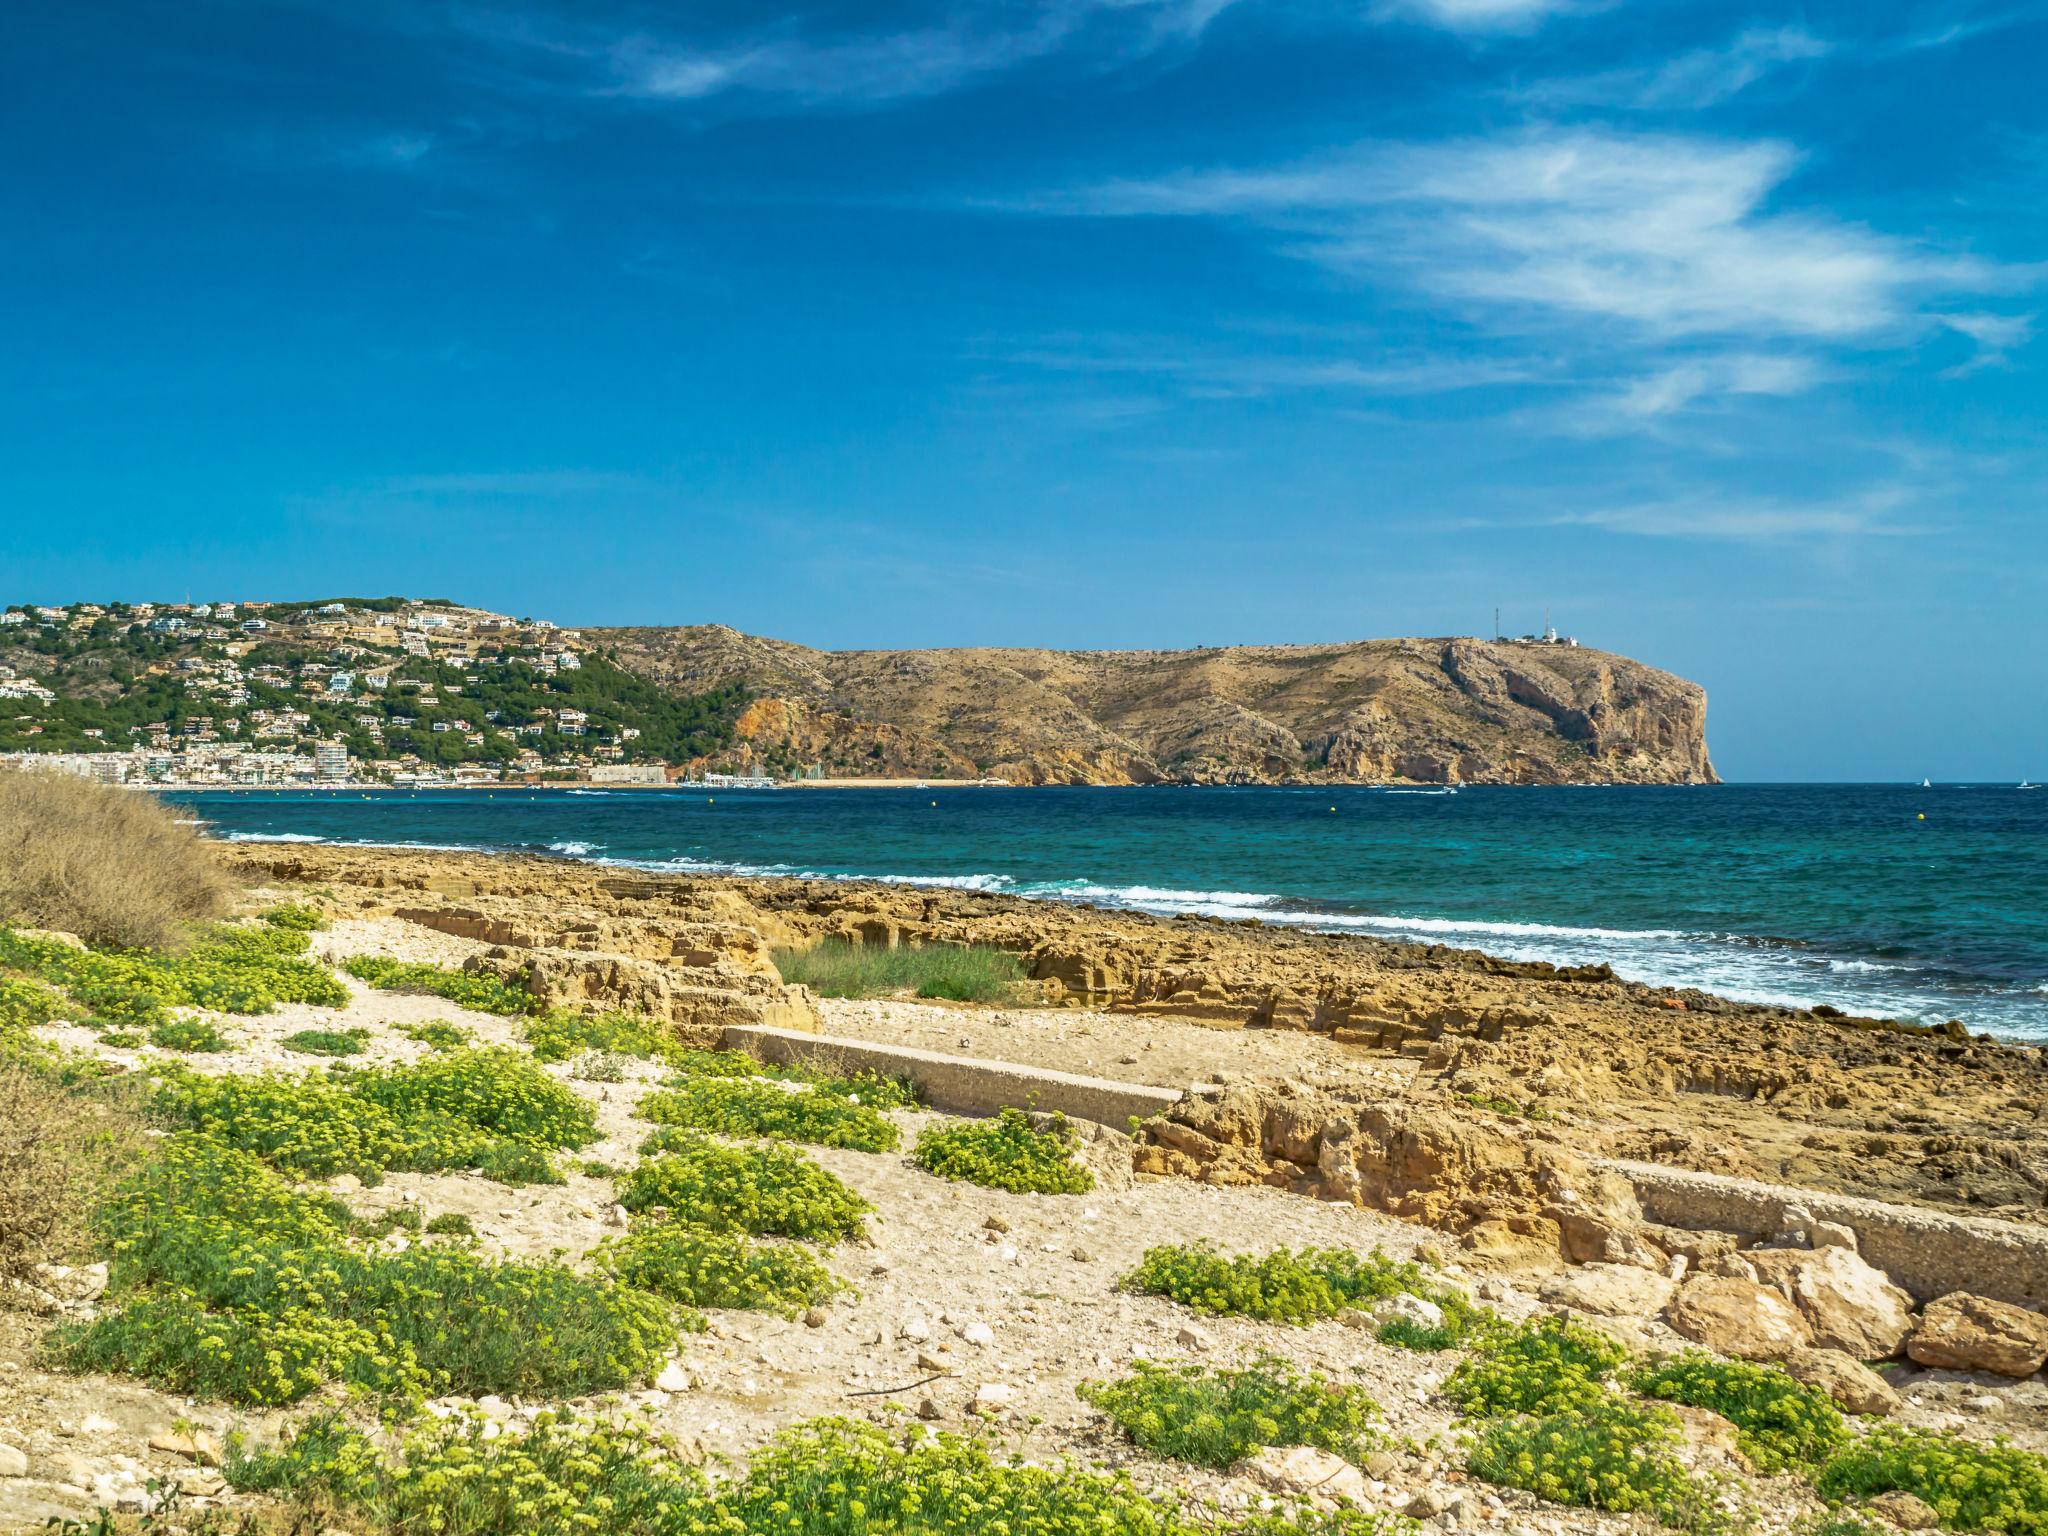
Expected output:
{"points": [[942, 1262]]}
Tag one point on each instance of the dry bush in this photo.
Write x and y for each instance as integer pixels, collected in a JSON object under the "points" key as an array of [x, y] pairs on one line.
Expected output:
{"points": [[110, 865], [60, 1149]]}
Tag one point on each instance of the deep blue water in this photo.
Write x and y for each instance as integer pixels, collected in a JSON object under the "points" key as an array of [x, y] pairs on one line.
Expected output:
{"points": [[1775, 893]]}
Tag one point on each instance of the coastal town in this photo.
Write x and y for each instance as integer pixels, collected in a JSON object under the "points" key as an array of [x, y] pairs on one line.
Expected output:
{"points": [[399, 692]]}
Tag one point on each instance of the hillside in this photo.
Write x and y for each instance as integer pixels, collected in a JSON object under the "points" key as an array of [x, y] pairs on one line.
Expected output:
{"points": [[1431, 711]]}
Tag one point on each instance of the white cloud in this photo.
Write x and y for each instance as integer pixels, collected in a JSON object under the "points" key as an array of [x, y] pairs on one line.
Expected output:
{"points": [[1755, 519], [1486, 15], [1701, 78], [1648, 401], [1668, 236]]}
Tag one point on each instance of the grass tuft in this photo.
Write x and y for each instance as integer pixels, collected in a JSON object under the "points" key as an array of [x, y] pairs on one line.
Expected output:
{"points": [[1215, 1418], [734, 1107], [328, 1042], [698, 1268], [957, 973], [1290, 1286], [768, 1191]]}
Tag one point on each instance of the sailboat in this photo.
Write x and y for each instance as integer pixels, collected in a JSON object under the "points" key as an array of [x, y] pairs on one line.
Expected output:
{"points": [[1927, 784], [2023, 784]]}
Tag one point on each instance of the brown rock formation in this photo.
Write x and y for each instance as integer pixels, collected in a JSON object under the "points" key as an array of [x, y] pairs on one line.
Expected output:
{"points": [[1436, 711]]}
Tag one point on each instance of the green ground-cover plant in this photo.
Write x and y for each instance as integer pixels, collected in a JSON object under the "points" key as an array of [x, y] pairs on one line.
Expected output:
{"points": [[292, 914], [958, 973], [193, 1035], [225, 969], [468, 989], [1971, 1486], [1214, 1418], [327, 1042], [450, 1111], [698, 1268], [1290, 1286], [1617, 1455], [517, 1163], [438, 1034], [1547, 1365], [737, 1107], [228, 1283], [450, 1224], [768, 1191], [578, 1477], [1784, 1425], [1007, 1152], [562, 1034]]}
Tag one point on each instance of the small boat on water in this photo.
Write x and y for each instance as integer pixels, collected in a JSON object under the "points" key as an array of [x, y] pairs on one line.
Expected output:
{"points": [[2023, 784], [1927, 784]]}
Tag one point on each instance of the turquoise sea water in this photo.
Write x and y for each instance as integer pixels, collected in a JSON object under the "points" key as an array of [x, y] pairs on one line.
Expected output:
{"points": [[1796, 894]]}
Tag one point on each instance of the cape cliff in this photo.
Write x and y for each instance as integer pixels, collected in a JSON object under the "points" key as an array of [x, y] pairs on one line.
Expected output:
{"points": [[1436, 711]]}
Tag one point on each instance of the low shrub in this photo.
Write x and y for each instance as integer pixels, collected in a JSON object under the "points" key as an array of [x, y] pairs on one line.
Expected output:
{"points": [[24, 1006], [467, 989], [737, 1107], [1287, 1286], [328, 1042], [957, 973], [1547, 1365], [517, 1163], [194, 1035], [769, 1191], [832, 1477], [601, 1067], [1615, 1455], [450, 1224], [697, 1268], [1784, 1425], [1215, 1418], [1971, 1486], [228, 1283], [438, 1034], [1006, 1153], [561, 1034], [59, 1148], [448, 1111], [296, 915], [224, 969], [110, 865]]}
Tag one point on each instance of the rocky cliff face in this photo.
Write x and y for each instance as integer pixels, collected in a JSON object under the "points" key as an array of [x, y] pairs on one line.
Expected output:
{"points": [[1429, 711]]}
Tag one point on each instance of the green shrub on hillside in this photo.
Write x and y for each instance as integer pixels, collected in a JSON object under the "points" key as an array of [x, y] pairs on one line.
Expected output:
{"points": [[1006, 1153], [1286, 1286], [327, 1042], [1971, 1486], [437, 1034], [830, 1477], [228, 1283], [735, 1107], [560, 1035], [467, 989], [226, 970], [1215, 1418], [1784, 1424], [291, 914], [697, 1268], [1546, 1365], [448, 1111], [1614, 1455], [195, 1035], [769, 1191], [964, 974]]}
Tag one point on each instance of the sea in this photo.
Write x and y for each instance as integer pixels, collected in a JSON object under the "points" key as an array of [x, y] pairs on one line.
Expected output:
{"points": [[1920, 903]]}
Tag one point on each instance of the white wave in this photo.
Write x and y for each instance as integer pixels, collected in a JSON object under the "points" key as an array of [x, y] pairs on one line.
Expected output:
{"points": [[273, 837], [1471, 928], [575, 850], [934, 882]]}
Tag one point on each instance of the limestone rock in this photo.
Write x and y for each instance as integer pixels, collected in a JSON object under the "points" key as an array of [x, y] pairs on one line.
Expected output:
{"points": [[1610, 1290], [1710, 1440], [1847, 1304], [1962, 1332], [1302, 1471], [1854, 1386], [197, 1446], [1908, 1511], [1738, 1317], [13, 1462]]}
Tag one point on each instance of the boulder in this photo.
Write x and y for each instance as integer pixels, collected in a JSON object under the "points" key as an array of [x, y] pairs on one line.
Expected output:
{"points": [[1962, 1332], [1302, 1471], [1847, 1304], [1738, 1317], [1709, 1440], [1610, 1290], [1854, 1386], [1908, 1511]]}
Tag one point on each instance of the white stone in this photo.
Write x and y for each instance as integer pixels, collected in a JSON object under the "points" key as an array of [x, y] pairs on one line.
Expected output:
{"points": [[991, 1395], [915, 1329], [979, 1333], [1411, 1309], [13, 1462], [673, 1378]]}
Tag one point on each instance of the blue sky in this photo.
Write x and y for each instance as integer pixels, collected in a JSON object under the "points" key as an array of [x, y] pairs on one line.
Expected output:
{"points": [[1712, 328]]}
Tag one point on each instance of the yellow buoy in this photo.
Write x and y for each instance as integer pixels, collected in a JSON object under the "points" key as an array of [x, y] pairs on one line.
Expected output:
{"points": [[1921, 817]]}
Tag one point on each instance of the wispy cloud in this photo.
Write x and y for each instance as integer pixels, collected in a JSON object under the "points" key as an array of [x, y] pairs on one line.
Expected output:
{"points": [[1706, 515], [1704, 77], [1649, 401], [1669, 236], [1487, 15]]}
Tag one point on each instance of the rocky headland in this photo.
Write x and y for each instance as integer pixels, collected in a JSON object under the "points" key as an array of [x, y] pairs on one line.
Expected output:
{"points": [[1423, 710]]}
